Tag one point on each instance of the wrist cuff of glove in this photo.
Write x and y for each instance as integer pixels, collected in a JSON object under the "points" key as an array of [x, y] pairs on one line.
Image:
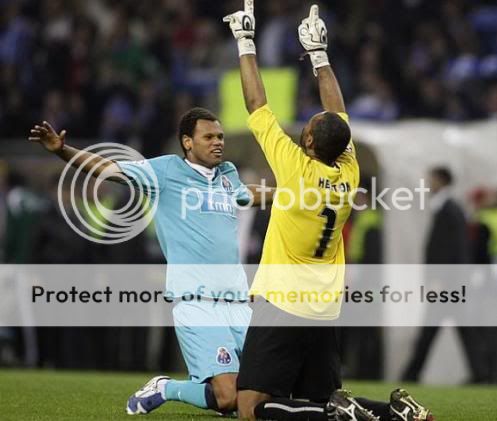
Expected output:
{"points": [[246, 46], [319, 59]]}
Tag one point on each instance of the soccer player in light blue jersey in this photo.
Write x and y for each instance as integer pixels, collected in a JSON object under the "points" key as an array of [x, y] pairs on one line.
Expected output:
{"points": [[196, 224]]}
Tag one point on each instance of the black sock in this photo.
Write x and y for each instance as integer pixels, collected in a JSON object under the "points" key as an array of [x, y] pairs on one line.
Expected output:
{"points": [[379, 409], [282, 409], [210, 398]]}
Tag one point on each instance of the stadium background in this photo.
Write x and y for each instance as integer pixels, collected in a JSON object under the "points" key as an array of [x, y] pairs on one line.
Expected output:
{"points": [[419, 78]]}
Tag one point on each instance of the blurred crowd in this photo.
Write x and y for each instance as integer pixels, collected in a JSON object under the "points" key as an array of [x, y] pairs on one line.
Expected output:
{"points": [[124, 70]]}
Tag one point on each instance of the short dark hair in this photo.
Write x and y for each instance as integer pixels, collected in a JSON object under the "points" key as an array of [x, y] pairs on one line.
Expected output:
{"points": [[331, 135], [444, 175], [189, 120]]}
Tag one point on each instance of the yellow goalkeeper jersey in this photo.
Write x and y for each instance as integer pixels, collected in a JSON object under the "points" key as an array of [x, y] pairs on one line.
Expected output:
{"points": [[302, 265]]}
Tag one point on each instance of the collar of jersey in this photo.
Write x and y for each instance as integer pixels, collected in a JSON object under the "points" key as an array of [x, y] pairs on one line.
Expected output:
{"points": [[199, 175]]}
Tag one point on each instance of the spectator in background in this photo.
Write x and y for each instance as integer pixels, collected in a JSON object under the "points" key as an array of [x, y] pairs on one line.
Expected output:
{"points": [[16, 40], [16, 68], [60, 347], [431, 100], [3, 205], [121, 64], [24, 208], [362, 347], [485, 226], [448, 239], [55, 108], [52, 231], [376, 101], [7, 335], [100, 52], [273, 36], [23, 213], [485, 253], [447, 244], [117, 119], [374, 98], [153, 118], [123, 348]]}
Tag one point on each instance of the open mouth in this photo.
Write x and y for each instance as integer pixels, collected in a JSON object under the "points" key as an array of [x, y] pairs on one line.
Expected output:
{"points": [[217, 152]]}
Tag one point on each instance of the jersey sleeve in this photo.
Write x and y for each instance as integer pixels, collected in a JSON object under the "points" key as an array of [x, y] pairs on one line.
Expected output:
{"points": [[149, 174], [283, 155], [240, 191], [242, 195]]}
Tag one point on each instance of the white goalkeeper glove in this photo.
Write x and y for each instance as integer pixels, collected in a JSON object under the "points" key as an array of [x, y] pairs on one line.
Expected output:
{"points": [[242, 24], [313, 36]]}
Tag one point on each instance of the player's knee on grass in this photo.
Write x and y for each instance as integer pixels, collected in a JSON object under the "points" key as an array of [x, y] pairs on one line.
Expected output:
{"points": [[224, 388], [247, 400], [226, 401]]}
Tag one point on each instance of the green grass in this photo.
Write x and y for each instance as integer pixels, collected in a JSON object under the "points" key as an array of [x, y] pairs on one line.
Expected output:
{"points": [[51, 396]]}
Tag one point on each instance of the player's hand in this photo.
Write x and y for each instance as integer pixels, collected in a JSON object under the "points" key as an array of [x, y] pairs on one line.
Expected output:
{"points": [[48, 137], [313, 34], [242, 23]]}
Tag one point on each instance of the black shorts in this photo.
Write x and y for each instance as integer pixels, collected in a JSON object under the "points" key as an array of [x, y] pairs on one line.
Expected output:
{"points": [[291, 361]]}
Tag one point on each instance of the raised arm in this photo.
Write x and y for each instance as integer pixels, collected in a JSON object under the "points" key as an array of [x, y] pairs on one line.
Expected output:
{"points": [[313, 36], [329, 90], [242, 24], [253, 87], [45, 135]]}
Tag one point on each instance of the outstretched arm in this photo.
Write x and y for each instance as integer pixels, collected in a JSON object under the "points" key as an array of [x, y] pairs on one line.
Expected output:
{"points": [[45, 135], [313, 36], [242, 24]]}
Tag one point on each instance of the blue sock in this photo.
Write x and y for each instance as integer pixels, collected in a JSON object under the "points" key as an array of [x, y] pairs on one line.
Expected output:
{"points": [[188, 392]]}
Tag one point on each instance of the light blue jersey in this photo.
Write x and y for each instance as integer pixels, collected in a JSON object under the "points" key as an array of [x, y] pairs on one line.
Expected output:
{"points": [[197, 227], [197, 224]]}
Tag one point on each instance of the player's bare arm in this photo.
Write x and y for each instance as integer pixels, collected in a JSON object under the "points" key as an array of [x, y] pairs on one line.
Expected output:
{"points": [[242, 24], [313, 36], [53, 142], [253, 87], [330, 92], [262, 195]]}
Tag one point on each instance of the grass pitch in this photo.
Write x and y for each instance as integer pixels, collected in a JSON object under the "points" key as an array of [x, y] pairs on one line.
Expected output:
{"points": [[53, 396]]}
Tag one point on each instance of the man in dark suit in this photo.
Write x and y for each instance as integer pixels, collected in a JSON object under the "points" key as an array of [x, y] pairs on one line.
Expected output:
{"points": [[447, 244], [448, 241]]}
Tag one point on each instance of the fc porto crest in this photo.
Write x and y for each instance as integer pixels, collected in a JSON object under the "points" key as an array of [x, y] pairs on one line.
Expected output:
{"points": [[227, 185], [223, 356]]}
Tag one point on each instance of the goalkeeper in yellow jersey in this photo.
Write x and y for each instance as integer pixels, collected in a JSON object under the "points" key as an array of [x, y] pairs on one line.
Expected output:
{"points": [[301, 275]]}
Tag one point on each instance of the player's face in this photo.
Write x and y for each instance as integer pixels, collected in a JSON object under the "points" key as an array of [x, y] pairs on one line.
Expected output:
{"points": [[306, 137], [207, 146]]}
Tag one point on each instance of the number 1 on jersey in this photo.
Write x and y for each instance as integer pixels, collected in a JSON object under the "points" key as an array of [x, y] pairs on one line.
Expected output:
{"points": [[331, 216]]}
